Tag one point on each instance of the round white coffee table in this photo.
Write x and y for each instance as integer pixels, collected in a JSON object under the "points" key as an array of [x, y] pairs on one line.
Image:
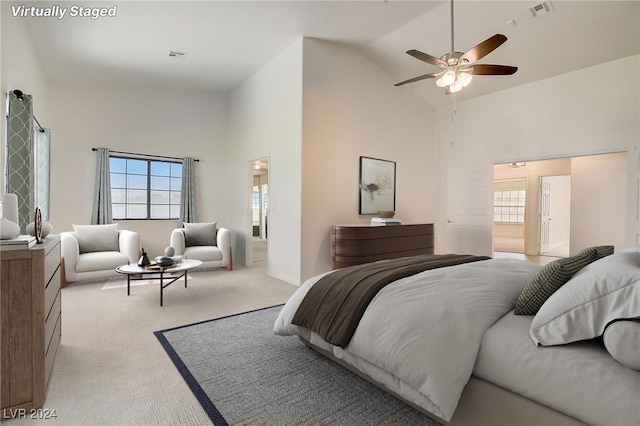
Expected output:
{"points": [[175, 272]]}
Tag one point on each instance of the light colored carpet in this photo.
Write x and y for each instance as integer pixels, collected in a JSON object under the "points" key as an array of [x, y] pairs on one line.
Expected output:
{"points": [[110, 369], [245, 375], [259, 250]]}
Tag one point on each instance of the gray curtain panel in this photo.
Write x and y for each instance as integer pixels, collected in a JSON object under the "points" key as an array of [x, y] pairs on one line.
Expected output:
{"points": [[188, 205], [102, 196], [42, 170], [19, 156]]}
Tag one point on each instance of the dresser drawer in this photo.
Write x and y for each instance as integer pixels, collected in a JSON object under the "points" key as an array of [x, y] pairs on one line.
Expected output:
{"points": [[51, 262], [51, 292], [53, 349], [50, 323]]}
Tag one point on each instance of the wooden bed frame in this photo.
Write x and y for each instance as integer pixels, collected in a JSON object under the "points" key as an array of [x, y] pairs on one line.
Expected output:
{"points": [[481, 403]]}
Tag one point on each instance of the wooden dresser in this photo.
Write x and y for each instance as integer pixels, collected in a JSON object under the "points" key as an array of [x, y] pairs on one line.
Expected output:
{"points": [[30, 311], [356, 244]]}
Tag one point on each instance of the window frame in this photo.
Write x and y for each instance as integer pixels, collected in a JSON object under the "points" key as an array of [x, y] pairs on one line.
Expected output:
{"points": [[148, 187], [522, 194], [517, 206]]}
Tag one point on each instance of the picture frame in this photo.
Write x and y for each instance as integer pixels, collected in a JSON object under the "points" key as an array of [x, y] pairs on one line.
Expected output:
{"points": [[377, 185]]}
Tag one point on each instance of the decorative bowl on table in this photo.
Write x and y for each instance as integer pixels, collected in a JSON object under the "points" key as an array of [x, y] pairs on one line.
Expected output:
{"points": [[387, 214], [164, 261]]}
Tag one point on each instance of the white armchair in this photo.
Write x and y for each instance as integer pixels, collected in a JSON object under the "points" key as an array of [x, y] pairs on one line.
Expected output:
{"points": [[84, 259], [205, 242]]}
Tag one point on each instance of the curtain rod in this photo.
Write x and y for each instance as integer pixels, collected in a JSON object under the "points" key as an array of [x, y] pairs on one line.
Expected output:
{"points": [[145, 155], [20, 96]]}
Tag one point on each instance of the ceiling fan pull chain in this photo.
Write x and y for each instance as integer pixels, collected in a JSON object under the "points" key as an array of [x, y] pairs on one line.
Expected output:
{"points": [[453, 116]]}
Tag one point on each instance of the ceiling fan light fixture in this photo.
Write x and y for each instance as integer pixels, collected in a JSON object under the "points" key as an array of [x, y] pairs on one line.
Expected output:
{"points": [[449, 77], [440, 82], [456, 86], [464, 78]]}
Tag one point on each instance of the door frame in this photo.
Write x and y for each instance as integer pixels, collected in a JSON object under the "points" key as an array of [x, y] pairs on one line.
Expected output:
{"points": [[249, 226]]}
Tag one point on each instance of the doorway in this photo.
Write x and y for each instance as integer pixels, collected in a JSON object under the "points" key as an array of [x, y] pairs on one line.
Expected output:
{"points": [[532, 202], [260, 210], [561, 214]]}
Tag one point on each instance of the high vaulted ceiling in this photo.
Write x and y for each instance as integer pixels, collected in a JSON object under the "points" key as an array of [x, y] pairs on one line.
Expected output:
{"points": [[228, 41]]}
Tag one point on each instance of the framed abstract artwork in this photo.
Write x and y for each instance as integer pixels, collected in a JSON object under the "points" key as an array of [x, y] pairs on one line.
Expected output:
{"points": [[377, 185]]}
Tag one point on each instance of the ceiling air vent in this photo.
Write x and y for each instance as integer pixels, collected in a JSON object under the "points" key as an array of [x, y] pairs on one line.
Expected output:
{"points": [[541, 8], [176, 54]]}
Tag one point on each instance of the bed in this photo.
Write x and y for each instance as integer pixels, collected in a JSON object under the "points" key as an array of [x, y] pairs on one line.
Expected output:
{"points": [[447, 340]]}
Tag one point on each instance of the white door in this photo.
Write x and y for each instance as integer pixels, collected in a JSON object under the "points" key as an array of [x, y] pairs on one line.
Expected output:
{"points": [[545, 213], [469, 215], [555, 215]]}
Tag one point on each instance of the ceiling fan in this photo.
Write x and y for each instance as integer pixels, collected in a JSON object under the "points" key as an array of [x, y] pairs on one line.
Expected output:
{"points": [[457, 68]]}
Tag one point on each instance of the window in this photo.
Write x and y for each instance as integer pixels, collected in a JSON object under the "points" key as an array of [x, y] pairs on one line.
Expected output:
{"points": [[256, 198], [145, 189], [508, 206]]}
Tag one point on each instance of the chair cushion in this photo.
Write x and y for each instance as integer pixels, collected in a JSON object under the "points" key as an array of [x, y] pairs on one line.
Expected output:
{"points": [[200, 234], [95, 238], [100, 261], [204, 253]]}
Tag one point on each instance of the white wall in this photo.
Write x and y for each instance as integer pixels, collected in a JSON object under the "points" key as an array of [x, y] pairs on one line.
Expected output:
{"points": [[265, 120], [163, 121], [605, 175], [351, 109], [314, 118], [583, 112]]}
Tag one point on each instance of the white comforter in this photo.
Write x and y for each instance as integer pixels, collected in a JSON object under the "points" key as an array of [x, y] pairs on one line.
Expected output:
{"points": [[419, 337]]}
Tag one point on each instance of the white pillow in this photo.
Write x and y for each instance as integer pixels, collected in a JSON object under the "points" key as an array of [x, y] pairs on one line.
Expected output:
{"points": [[603, 291], [622, 340]]}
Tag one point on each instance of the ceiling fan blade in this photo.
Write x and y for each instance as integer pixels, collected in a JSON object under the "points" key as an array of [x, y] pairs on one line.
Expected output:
{"points": [[487, 69], [483, 49], [422, 77], [427, 58]]}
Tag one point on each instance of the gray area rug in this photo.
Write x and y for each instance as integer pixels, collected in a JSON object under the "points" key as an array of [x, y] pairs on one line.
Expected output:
{"points": [[243, 374]]}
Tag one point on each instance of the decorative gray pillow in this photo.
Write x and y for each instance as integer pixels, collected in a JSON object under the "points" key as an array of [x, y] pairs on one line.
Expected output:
{"points": [[599, 251], [200, 234], [549, 279], [92, 238]]}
